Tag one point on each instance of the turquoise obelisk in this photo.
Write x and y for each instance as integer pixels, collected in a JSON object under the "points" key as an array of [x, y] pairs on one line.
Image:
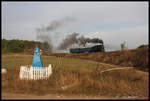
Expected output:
{"points": [[37, 61]]}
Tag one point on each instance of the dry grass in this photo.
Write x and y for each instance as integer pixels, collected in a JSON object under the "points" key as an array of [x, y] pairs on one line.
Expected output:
{"points": [[76, 80], [114, 83], [138, 58]]}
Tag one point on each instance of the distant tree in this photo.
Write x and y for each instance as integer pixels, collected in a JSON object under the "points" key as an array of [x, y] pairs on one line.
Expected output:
{"points": [[122, 46], [17, 46], [4, 45], [14, 46], [142, 46]]}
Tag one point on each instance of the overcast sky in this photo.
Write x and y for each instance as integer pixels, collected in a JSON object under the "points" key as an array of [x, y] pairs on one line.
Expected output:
{"points": [[114, 22]]}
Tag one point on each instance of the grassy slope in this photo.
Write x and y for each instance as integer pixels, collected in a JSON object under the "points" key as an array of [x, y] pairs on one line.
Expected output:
{"points": [[15, 61], [138, 58], [84, 75]]}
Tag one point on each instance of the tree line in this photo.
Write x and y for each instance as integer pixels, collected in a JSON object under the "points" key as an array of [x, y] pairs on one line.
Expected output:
{"points": [[25, 46]]}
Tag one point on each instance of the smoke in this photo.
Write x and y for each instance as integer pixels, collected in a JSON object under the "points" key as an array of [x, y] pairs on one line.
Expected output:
{"points": [[54, 25], [111, 47], [74, 38], [49, 33], [46, 40], [95, 40], [69, 40]]}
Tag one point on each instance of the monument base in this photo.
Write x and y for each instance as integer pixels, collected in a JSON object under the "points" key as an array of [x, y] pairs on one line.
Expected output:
{"points": [[35, 73], [4, 70]]}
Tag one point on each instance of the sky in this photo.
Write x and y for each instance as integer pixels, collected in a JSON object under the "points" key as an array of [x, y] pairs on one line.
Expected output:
{"points": [[113, 22]]}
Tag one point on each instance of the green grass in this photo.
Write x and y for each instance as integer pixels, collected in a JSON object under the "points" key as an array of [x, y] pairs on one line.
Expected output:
{"points": [[14, 62], [69, 63]]}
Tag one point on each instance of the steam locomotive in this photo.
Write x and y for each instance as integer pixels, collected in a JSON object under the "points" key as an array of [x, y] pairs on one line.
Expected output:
{"points": [[94, 48]]}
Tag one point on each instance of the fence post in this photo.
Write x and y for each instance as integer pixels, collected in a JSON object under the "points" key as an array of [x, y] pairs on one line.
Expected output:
{"points": [[30, 73], [20, 72], [27, 73], [33, 74]]}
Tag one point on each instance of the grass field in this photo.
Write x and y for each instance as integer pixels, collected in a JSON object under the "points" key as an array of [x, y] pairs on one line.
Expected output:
{"points": [[15, 61], [74, 76]]}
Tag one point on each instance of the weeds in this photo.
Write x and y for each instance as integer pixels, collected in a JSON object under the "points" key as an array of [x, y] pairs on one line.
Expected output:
{"points": [[78, 80], [138, 58]]}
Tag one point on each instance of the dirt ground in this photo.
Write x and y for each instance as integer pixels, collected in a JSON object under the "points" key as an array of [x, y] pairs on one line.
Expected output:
{"points": [[55, 96]]}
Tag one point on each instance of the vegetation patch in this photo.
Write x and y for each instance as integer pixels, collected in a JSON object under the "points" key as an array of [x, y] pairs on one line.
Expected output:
{"points": [[75, 79], [138, 58]]}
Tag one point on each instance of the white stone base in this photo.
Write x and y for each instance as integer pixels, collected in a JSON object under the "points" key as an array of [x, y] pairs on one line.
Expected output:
{"points": [[35, 73], [4, 70]]}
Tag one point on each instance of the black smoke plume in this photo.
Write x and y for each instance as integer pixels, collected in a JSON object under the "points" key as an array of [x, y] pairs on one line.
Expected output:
{"points": [[74, 38], [69, 40], [46, 41], [47, 33], [95, 40]]}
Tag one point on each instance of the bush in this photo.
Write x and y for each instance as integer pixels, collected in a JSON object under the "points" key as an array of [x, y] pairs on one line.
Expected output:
{"points": [[142, 46], [18, 46]]}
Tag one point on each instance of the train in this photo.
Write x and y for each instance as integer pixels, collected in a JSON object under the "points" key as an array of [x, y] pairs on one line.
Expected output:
{"points": [[95, 48]]}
